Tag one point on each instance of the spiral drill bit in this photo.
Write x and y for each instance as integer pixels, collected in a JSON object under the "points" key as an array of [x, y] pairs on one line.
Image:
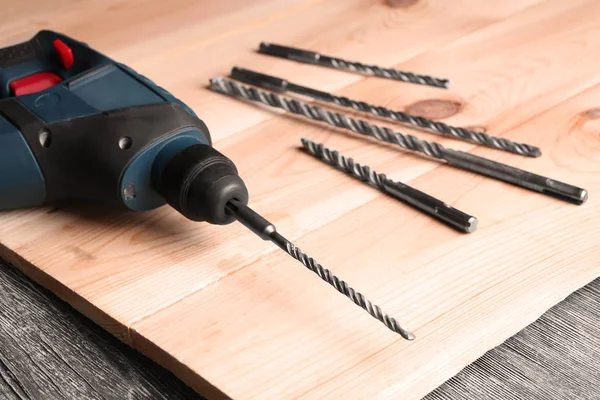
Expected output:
{"points": [[413, 197], [311, 57], [282, 85], [456, 158], [266, 231]]}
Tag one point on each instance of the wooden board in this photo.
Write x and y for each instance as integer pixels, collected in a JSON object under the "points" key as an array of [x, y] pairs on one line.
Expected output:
{"points": [[234, 316], [75, 359]]}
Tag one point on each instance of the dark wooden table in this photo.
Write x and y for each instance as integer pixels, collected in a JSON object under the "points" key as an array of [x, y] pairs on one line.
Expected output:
{"points": [[50, 351]]}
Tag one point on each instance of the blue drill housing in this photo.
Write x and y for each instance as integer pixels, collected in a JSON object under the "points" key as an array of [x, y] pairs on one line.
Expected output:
{"points": [[93, 87]]}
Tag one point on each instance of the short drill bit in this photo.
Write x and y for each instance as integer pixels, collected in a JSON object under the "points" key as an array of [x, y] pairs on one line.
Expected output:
{"points": [[459, 159], [419, 200], [281, 85], [266, 231], [310, 57]]}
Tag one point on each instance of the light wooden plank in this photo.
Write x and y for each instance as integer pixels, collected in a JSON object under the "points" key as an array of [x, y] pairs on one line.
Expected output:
{"points": [[463, 294], [215, 304], [110, 238]]}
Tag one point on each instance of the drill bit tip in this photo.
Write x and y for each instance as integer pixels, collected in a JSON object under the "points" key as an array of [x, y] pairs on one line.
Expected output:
{"points": [[535, 151]]}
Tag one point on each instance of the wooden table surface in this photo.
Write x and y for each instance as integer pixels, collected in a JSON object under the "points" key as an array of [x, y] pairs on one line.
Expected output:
{"points": [[234, 316], [75, 359]]}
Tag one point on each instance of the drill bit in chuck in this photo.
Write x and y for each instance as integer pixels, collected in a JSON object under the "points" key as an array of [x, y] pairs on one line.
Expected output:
{"points": [[411, 196], [281, 85], [266, 231], [311, 57], [456, 158]]}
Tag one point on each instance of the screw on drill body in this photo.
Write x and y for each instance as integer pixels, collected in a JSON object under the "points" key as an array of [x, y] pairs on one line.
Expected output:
{"points": [[282, 85], [456, 158], [421, 201], [267, 231], [310, 57]]}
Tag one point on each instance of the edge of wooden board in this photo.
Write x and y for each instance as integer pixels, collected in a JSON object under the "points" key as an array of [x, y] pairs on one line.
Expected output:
{"points": [[111, 325]]}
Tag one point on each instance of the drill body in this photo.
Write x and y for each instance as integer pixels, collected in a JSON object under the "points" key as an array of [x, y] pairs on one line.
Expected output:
{"points": [[76, 125]]}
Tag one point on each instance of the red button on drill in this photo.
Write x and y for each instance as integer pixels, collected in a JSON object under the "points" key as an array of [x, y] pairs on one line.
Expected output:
{"points": [[64, 52], [34, 83]]}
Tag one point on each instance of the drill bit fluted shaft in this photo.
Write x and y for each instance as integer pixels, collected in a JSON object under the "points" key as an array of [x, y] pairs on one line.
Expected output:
{"points": [[267, 231], [481, 138], [421, 201], [310, 57], [282, 85], [459, 159], [408, 142]]}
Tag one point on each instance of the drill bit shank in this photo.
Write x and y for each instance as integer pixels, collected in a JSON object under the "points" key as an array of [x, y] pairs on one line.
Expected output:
{"points": [[266, 231], [415, 198], [456, 158], [281, 85], [516, 176], [310, 57]]}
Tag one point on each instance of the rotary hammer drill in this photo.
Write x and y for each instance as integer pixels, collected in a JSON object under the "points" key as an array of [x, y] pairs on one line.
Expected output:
{"points": [[76, 125]]}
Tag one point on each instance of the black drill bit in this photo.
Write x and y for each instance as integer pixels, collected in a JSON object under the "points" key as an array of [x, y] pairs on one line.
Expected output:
{"points": [[266, 231], [310, 57], [282, 85], [457, 158], [413, 197]]}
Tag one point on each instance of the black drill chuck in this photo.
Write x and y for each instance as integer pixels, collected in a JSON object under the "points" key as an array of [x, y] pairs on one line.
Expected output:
{"points": [[199, 182]]}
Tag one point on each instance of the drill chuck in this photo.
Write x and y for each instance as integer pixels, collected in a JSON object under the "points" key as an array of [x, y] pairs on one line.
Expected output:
{"points": [[199, 182]]}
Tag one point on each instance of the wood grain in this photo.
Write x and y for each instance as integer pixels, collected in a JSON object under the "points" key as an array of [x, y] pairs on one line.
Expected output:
{"points": [[217, 305], [76, 359]]}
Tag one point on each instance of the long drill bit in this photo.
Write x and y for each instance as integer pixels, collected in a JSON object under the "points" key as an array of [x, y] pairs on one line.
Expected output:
{"points": [[460, 159], [413, 197], [266, 231], [310, 57], [281, 85]]}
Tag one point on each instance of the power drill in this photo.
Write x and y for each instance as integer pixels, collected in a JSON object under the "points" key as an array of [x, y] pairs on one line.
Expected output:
{"points": [[76, 125]]}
